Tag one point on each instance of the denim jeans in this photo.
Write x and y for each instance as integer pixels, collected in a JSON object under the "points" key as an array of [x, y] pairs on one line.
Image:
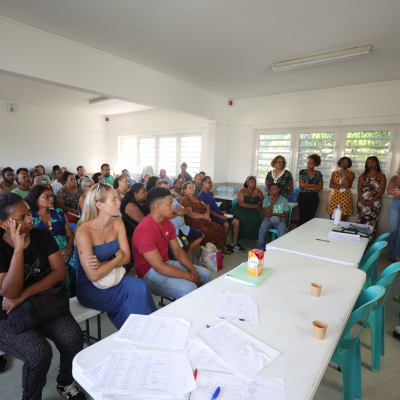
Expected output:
{"points": [[161, 285], [394, 229], [265, 227]]}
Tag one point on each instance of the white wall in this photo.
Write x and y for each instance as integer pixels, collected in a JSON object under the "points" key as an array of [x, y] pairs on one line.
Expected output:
{"points": [[44, 135]]}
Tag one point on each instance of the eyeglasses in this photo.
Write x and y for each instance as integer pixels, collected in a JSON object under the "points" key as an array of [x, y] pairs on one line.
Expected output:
{"points": [[273, 188], [46, 197], [279, 161]]}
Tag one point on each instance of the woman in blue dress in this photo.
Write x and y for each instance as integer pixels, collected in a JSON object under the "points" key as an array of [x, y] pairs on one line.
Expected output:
{"points": [[44, 216], [100, 246]]}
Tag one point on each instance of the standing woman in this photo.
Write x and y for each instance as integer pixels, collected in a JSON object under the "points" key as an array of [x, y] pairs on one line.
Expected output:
{"points": [[121, 186], [44, 216], [394, 217], [249, 201], [100, 246], [310, 182], [30, 263], [371, 186], [280, 176], [340, 183], [68, 197]]}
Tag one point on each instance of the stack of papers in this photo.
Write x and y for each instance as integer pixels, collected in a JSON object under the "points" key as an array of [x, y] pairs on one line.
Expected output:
{"points": [[344, 236]]}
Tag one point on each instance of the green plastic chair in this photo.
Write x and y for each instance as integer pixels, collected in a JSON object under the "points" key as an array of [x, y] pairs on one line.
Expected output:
{"points": [[347, 354], [274, 232], [369, 252], [376, 320], [234, 201], [370, 265]]}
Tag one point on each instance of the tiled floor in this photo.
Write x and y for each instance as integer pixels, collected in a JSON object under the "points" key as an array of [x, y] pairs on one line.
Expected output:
{"points": [[375, 385]]}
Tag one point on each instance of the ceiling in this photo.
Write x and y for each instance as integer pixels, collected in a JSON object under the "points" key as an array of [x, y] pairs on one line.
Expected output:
{"points": [[27, 91], [226, 46]]}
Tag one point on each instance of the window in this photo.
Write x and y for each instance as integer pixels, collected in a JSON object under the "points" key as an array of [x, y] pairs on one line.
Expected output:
{"points": [[167, 155], [361, 145], [270, 146], [322, 144], [191, 153], [129, 155], [147, 153]]}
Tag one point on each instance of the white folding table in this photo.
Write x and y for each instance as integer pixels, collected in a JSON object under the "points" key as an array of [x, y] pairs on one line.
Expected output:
{"points": [[286, 311], [311, 240], [230, 198]]}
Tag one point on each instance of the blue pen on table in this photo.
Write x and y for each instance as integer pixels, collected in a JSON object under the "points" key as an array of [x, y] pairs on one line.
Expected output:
{"points": [[208, 326], [215, 395]]}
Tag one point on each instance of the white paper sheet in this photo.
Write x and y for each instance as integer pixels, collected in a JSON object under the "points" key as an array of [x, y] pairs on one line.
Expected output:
{"points": [[237, 306], [147, 330], [240, 351], [234, 387], [143, 372], [228, 215]]}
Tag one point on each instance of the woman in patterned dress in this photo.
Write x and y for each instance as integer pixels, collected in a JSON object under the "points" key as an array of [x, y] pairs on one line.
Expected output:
{"points": [[281, 176], [68, 197], [213, 232], [340, 183], [40, 201], [371, 186]]}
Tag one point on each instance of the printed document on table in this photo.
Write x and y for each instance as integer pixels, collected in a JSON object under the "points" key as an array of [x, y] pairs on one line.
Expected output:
{"points": [[146, 330], [143, 372], [243, 353], [234, 387], [237, 306]]}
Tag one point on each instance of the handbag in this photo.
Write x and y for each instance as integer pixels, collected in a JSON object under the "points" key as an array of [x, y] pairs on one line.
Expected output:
{"points": [[39, 308], [112, 279], [211, 261]]}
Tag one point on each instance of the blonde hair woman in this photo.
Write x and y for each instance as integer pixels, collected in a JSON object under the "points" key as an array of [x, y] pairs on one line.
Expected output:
{"points": [[100, 246]]}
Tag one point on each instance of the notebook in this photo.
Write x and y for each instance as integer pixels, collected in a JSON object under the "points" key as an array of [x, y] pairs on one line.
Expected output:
{"points": [[240, 275]]}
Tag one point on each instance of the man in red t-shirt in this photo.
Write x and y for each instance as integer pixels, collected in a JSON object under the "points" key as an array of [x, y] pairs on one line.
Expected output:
{"points": [[150, 243]]}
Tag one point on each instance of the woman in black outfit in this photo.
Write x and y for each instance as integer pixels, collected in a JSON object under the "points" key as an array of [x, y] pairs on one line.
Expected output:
{"points": [[31, 262]]}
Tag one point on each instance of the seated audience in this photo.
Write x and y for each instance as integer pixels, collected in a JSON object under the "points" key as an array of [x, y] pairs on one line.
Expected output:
{"points": [[151, 182], [193, 236], [24, 181], [198, 217], [8, 178], [58, 180], [203, 174], [100, 246], [42, 171], [34, 173], [165, 177], [219, 217], [146, 179], [64, 169], [184, 176], [31, 262], [41, 180], [105, 171], [276, 209], [150, 243], [68, 197], [81, 173], [120, 185], [134, 208], [197, 184], [249, 201], [53, 178], [132, 181], [98, 178], [176, 192], [85, 183], [44, 216], [280, 176]]}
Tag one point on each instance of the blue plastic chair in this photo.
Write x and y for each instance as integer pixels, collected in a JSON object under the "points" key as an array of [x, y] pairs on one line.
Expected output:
{"points": [[376, 320], [369, 252], [73, 226], [274, 232], [369, 266], [234, 201], [347, 354]]}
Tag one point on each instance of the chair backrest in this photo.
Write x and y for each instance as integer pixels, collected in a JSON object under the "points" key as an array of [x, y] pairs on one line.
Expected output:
{"points": [[234, 201], [373, 248], [370, 263], [290, 217], [363, 307], [382, 237], [387, 277]]}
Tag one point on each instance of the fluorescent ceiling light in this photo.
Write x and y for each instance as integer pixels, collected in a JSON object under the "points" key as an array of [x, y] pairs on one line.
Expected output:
{"points": [[101, 100], [325, 58]]}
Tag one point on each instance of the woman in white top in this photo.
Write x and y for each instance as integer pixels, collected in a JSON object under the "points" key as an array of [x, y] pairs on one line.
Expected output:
{"points": [[280, 176]]}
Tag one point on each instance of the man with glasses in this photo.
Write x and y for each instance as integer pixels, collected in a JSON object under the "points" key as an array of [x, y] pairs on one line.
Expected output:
{"points": [[105, 171], [219, 217], [8, 183], [276, 209]]}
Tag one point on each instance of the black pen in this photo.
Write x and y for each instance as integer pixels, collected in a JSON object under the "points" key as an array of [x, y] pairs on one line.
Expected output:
{"points": [[323, 240]]}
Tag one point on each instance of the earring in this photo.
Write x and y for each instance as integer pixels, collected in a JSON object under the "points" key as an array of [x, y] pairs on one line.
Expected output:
{"points": [[5, 236]]}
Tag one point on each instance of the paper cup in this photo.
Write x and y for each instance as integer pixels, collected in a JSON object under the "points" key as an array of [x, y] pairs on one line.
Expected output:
{"points": [[316, 289], [319, 329]]}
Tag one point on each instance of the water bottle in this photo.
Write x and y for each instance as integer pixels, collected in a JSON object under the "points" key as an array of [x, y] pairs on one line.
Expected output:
{"points": [[337, 215]]}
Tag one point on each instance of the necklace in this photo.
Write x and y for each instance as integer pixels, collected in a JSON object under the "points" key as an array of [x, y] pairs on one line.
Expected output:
{"points": [[251, 194], [279, 175], [51, 225]]}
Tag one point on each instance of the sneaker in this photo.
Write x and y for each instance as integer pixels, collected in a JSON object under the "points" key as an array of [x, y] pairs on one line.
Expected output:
{"points": [[397, 329], [3, 364], [238, 248], [227, 249], [396, 297], [71, 392]]}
